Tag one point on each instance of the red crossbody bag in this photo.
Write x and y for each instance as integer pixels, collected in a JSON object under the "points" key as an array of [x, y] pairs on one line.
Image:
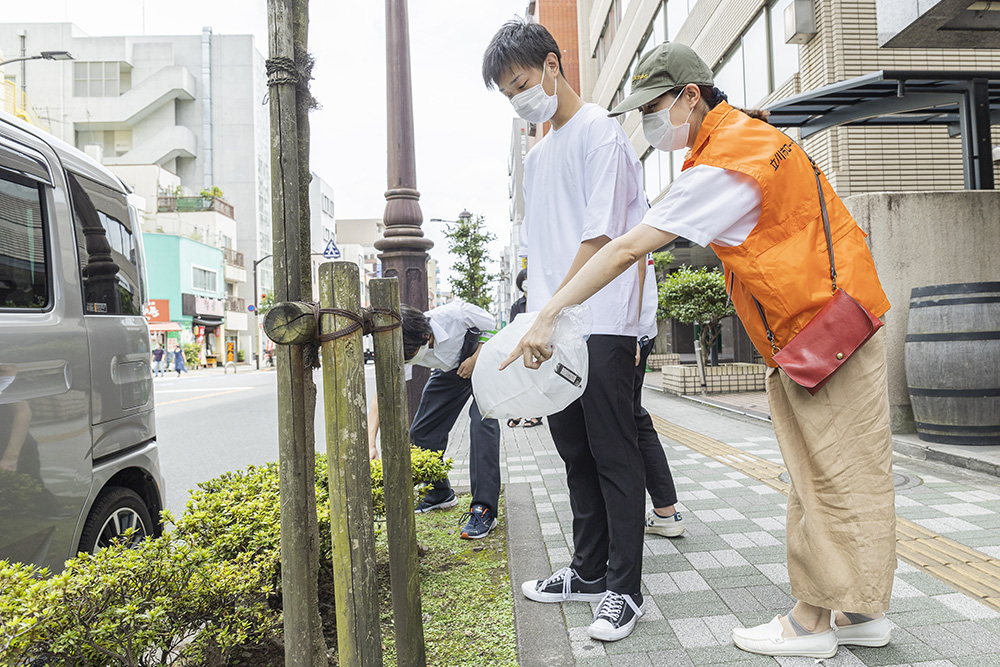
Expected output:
{"points": [[836, 332]]}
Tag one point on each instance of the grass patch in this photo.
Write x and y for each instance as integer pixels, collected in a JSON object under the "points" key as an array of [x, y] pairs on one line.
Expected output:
{"points": [[467, 604]]}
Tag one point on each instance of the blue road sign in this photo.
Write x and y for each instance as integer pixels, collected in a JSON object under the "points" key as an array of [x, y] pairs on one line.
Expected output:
{"points": [[331, 251]]}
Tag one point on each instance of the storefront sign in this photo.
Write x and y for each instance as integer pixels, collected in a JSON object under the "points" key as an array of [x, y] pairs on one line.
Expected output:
{"points": [[230, 351], [157, 310], [206, 306]]}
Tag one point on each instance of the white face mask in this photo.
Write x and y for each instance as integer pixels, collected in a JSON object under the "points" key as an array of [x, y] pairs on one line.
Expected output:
{"points": [[660, 131], [535, 105], [421, 353]]}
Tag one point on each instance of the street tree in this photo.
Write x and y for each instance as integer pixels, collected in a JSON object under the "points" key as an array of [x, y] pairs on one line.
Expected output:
{"points": [[468, 239], [698, 296]]}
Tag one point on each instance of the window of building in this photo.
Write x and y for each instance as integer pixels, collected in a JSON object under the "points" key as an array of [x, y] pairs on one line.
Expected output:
{"points": [[23, 269], [204, 279], [729, 77], [651, 173], [756, 74], [109, 260], [784, 57], [677, 13], [759, 61], [96, 79]]}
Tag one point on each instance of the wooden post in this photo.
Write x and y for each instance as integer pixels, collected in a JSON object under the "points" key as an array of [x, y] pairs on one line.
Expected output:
{"points": [[295, 451], [359, 638], [397, 475]]}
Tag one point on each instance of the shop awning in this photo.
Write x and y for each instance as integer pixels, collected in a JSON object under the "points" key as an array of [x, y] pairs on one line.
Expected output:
{"points": [[209, 321], [966, 102], [156, 327]]}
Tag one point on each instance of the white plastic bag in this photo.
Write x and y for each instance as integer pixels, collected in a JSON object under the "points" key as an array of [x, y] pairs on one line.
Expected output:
{"points": [[518, 391]]}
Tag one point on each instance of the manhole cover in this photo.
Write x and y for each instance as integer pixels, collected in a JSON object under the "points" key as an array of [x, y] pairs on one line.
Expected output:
{"points": [[900, 480]]}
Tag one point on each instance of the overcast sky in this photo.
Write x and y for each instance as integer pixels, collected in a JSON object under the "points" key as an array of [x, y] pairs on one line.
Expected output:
{"points": [[462, 129]]}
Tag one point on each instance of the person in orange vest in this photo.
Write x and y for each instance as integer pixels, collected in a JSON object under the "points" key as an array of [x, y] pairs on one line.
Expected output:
{"points": [[750, 193]]}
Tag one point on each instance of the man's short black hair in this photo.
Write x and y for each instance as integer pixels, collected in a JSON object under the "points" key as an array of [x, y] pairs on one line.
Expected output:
{"points": [[521, 277], [518, 43], [416, 330]]}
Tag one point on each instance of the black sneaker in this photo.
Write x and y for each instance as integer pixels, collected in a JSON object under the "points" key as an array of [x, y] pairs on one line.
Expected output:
{"points": [[565, 586], [481, 522], [428, 503], [616, 616]]}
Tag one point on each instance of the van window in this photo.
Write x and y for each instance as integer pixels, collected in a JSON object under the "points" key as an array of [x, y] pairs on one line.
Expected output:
{"points": [[109, 261], [23, 273]]}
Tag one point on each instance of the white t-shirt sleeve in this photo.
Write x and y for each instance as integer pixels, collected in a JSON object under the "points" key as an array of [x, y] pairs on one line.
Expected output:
{"points": [[709, 205], [476, 317], [610, 187]]}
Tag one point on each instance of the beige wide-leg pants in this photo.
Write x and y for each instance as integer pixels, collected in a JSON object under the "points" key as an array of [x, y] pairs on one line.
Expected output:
{"points": [[837, 446]]}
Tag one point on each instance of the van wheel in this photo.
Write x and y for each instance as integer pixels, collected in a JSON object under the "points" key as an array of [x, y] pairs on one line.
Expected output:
{"points": [[117, 510]]}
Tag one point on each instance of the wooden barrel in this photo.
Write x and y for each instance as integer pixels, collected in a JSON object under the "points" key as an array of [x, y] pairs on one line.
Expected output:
{"points": [[953, 362]]}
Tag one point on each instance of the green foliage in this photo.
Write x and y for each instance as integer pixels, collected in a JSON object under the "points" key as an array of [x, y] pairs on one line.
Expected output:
{"points": [[240, 355], [661, 264], [162, 601], [697, 296], [265, 304], [190, 596], [468, 239], [212, 192], [192, 354]]}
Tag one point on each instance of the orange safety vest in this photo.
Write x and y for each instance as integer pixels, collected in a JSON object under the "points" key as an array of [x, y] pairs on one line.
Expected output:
{"points": [[784, 261]]}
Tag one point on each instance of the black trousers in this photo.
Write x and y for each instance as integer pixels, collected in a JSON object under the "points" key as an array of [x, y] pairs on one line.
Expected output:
{"points": [[659, 481], [596, 438], [441, 403]]}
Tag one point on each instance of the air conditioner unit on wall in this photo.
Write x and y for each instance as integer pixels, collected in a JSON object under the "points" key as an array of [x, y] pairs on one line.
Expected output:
{"points": [[800, 22]]}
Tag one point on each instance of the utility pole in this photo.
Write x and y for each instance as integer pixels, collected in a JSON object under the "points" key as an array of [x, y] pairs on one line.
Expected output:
{"points": [[404, 248]]}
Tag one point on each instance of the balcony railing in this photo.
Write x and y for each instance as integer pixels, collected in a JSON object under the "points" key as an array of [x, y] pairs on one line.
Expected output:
{"points": [[194, 205], [236, 304], [232, 257]]}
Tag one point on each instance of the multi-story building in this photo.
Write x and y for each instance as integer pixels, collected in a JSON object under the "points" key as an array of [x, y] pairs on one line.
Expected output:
{"points": [[356, 239], [167, 210], [322, 226], [190, 104], [757, 64]]}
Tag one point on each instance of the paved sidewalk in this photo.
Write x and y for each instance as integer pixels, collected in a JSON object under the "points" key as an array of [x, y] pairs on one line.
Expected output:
{"points": [[728, 569]]}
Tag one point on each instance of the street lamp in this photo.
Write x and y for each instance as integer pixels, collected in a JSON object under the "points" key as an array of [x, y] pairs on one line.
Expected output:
{"points": [[44, 55]]}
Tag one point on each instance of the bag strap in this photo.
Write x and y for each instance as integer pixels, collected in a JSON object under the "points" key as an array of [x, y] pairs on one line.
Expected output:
{"points": [[829, 251]]}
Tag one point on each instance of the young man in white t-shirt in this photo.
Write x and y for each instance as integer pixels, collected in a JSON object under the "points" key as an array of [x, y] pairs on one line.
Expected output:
{"points": [[582, 188]]}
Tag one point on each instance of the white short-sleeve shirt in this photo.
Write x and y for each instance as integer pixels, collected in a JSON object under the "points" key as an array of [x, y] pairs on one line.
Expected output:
{"points": [[709, 205], [581, 182], [449, 324]]}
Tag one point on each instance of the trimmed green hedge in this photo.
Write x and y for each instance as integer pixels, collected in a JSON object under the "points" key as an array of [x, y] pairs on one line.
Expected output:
{"points": [[193, 595]]}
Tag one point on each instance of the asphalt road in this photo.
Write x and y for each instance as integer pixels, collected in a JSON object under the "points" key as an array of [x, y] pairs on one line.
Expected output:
{"points": [[208, 423]]}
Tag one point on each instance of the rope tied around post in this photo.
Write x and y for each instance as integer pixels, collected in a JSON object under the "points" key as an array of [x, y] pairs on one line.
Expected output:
{"points": [[281, 70], [362, 321]]}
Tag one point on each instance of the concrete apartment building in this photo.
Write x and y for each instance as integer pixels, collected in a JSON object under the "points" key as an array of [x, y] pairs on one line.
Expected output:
{"points": [[190, 104]]}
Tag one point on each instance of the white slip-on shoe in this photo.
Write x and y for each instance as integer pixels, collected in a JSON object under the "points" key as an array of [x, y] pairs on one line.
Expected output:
{"points": [[767, 640], [873, 633]]}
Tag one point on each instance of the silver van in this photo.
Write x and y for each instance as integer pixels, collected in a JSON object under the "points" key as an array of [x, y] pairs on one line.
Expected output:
{"points": [[78, 456]]}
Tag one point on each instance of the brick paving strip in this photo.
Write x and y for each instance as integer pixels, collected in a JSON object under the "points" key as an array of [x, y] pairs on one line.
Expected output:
{"points": [[972, 572], [729, 568]]}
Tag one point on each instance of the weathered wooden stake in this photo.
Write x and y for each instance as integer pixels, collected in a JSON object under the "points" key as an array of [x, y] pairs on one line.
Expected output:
{"points": [[397, 476], [359, 637], [296, 472]]}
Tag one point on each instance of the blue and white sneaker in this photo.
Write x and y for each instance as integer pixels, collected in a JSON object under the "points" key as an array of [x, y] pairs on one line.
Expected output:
{"points": [[670, 526], [481, 522], [429, 503]]}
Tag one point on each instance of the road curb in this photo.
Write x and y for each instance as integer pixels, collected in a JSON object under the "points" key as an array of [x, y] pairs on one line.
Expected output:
{"points": [[916, 449], [535, 624]]}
